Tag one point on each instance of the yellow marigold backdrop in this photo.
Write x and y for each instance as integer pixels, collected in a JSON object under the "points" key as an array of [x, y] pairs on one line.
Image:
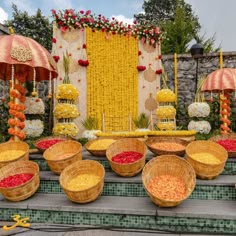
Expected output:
{"points": [[112, 80]]}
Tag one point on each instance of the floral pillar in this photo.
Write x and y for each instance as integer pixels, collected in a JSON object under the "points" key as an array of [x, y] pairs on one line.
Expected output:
{"points": [[66, 110]]}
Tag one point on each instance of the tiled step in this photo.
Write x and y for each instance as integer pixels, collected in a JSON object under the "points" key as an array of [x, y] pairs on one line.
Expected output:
{"points": [[230, 166], [221, 188], [195, 216]]}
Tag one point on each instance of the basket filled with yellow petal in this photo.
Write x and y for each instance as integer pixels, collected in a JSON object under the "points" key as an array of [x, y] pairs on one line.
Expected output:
{"points": [[19, 180], [168, 180], [167, 145], [12, 151], [83, 181], [207, 158], [43, 143], [228, 141], [62, 154], [98, 147], [127, 156]]}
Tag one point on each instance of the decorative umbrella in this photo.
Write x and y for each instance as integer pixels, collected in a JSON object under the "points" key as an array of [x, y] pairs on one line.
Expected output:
{"points": [[222, 81], [26, 55], [22, 59]]}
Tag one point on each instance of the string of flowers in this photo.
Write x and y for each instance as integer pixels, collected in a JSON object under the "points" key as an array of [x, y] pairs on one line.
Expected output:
{"points": [[68, 18], [110, 78], [16, 108]]}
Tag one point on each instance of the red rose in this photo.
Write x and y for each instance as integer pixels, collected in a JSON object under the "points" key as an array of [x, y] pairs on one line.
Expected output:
{"points": [[54, 40], [56, 58], [158, 72], [141, 68]]}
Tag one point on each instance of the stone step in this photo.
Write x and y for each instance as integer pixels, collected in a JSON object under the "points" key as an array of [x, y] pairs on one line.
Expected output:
{"points": [[37, 229], [220, 188], [192, 216], [230, 166]]}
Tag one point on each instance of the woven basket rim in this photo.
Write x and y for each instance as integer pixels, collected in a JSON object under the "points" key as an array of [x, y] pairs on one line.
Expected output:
{"points": [[63, 138], [92, 141], [60, 143], [15, 159], [30, 180], [79, 191], [155, 159], [127, 164], [212, 143]]}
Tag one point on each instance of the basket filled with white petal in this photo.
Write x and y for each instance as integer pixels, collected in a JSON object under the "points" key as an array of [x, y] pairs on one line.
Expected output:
{"points": [[207, 158], [83, 181]]}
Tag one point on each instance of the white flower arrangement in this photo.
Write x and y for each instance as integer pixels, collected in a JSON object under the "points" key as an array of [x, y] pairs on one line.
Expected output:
{"points": [[33, 128], [90, 134], [34, 105], [199, 109], [202, 127]]}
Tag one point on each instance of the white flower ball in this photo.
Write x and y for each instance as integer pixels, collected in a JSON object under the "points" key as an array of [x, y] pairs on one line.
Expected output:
{"points": [[202, 127], [199, 109]]}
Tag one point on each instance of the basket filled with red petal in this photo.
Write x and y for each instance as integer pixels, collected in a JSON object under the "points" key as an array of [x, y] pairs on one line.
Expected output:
{"points": [[43, 143], [168, 180], [228, 141], [19, 180], [127, 156]]}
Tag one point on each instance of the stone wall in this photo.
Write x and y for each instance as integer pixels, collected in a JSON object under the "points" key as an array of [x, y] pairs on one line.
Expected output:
{"points": [[187, 77], [186, 80]]}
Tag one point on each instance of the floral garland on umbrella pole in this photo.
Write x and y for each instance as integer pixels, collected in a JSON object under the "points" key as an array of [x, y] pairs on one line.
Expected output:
{"points": [[68, 19], [16, 106]]}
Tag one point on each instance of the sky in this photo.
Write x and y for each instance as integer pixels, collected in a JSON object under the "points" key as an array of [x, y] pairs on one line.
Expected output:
{"points": [[217, 17]]}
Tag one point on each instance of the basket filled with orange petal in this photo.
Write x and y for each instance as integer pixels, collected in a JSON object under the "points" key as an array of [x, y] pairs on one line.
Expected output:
{"points": [[168, 180]]}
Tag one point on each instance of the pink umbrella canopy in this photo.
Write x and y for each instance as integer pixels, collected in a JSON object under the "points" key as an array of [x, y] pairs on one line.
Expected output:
{"points": [[26, 54], [220, 80]]}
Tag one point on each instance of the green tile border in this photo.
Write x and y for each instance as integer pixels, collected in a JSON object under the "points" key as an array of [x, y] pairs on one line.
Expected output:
{"points": [[203, 192], [178, 224], [230, 167]]}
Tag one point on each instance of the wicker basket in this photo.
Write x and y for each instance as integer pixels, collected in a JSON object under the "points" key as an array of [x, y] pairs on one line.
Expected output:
{"points": [[71, 147], [169, 165], [83, 167], [25, 190], [98, 153], [122, 145], [63, 138], [14, 145], [223, 137], [203, 170], [152, 140]]}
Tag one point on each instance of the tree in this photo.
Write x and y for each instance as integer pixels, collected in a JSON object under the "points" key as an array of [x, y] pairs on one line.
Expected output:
{"points": [[177, 21], [36, 26], [179, 32]]}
